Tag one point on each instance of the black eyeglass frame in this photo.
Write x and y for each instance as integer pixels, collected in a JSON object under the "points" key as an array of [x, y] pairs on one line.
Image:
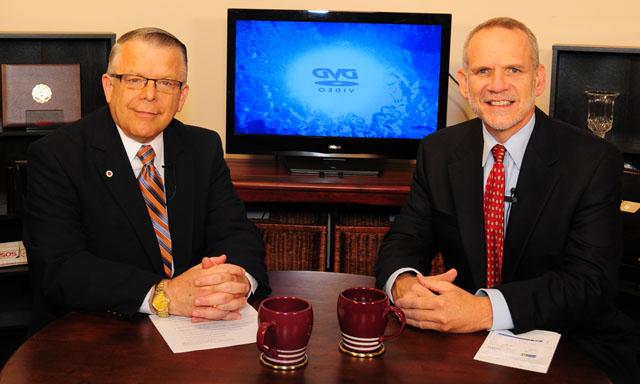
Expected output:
{"points": [[119, 76]]}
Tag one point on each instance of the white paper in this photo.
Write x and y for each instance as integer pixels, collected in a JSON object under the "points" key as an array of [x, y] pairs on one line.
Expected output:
{"points": [[532, 351], [183, 336], [12, 253]]}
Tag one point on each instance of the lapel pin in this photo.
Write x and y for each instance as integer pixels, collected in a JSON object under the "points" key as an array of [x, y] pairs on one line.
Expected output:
{"points": [[109, 173]]}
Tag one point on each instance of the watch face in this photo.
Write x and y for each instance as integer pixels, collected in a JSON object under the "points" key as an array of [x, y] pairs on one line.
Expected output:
{"points": [[41, 93], [160, 302]]}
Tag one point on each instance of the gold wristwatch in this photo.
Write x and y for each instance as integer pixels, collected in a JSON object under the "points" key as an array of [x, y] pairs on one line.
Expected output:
{"points": [[160, 301]]}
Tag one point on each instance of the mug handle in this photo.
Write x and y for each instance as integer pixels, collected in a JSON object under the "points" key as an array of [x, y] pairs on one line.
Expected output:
{"points": [[400, 315], [262, 332]]}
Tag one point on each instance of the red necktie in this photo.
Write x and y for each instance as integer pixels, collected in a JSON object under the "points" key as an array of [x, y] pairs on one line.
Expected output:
{"points": [[494, 217], [152, 190]]}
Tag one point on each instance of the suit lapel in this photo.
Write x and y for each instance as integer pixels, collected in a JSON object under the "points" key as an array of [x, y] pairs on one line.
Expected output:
{"points": [[180, 182], [110, 159], [465, 176], [536, 181]]}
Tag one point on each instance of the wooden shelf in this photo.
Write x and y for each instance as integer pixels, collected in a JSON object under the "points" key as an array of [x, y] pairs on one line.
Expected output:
{"points": [[265, 180], [14, 270]]}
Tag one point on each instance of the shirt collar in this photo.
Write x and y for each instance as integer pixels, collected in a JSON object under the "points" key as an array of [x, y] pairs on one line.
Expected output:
{"points": [[515, 146], [132, 146]]}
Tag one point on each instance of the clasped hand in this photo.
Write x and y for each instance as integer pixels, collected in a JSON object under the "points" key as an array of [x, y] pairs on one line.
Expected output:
{"points": [[212, 290], [434, 302]]}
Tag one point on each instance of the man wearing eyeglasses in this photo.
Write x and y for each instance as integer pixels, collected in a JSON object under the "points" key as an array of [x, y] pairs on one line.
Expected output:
{"points": [[130, 211]]}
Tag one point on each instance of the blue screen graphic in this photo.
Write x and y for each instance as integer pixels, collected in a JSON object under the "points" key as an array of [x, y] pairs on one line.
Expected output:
{"points": [[304, 78]]}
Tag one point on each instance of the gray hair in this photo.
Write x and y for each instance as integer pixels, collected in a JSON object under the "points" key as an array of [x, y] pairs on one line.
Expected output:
{"points": [[153, 35], [507, 23]]}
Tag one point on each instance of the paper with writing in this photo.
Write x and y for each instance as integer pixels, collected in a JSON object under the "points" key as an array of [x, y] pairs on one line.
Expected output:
{"points": [[532, 350], [183, 336]]}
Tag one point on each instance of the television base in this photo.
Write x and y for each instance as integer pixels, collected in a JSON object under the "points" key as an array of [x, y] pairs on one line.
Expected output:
{"points": [[333, 166]]}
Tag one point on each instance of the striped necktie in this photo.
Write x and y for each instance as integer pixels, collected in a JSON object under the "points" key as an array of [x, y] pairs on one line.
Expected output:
{"points": [[152, 190], [494, 217]]}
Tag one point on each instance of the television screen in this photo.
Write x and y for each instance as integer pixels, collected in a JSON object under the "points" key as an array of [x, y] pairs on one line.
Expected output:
{"points": [[335, 82]]}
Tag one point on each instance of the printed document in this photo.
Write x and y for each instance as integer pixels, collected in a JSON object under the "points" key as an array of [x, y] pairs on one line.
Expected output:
{"points": [[532, 351], [183, 336]]}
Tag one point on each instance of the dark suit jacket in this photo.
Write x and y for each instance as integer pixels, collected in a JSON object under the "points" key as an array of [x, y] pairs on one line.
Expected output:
{"points": [[88, 235], [562, 244]]}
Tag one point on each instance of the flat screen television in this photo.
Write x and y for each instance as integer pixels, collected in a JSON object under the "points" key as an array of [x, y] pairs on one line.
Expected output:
{"points": [[333, 90]]}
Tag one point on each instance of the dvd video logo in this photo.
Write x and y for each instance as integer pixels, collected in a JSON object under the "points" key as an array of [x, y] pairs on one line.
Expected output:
{"points": [[332, 82]]}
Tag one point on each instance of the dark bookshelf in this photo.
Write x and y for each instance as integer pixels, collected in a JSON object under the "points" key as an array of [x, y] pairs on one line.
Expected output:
{"points": [[91, 51]]}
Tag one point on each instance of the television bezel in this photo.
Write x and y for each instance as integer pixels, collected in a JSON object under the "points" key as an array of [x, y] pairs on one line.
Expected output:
{"points": [[285, 145]]}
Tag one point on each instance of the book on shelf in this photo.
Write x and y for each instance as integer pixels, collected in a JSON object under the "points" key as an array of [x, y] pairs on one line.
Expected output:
{"points": [[12, 253]]}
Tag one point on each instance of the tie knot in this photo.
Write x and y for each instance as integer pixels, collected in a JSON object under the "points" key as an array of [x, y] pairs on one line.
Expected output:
{"points": [[146, 154], [497, 151]]}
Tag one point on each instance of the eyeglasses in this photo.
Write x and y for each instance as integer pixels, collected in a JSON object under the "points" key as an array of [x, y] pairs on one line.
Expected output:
{"points": [[137, 82]]}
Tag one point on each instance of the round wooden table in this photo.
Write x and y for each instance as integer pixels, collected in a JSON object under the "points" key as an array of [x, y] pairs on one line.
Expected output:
{"points": [[97, 348]]}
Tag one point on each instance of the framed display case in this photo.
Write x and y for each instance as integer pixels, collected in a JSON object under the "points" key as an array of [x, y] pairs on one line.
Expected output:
{"points": [[577, 69]]}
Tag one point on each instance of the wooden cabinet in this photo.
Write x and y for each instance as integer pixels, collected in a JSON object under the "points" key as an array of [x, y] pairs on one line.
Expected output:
{"points": [[264, 180], [320, 223]]}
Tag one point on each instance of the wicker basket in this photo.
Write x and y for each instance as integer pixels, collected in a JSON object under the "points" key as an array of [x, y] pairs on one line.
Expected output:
{"points": [[293, 246], [356, 250]]}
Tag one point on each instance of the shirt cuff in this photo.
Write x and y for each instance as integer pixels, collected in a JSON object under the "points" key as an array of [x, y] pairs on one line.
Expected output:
{"points": [[144, 307], [501, 314], [252, 282], [392, 279]]}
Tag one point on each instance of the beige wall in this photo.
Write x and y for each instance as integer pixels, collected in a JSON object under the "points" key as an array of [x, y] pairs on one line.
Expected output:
{"points": [[201, 24]]}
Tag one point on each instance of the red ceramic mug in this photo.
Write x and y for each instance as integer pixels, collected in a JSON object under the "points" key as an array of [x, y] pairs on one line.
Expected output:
{"points": [[363, 314], [284, 328]]}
